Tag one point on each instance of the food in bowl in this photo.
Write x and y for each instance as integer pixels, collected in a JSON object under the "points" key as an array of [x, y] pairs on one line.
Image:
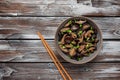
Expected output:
{"points": [[77, 38]]}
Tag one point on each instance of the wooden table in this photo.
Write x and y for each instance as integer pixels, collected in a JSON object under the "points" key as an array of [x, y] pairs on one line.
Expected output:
{"points": [[22, 55]]}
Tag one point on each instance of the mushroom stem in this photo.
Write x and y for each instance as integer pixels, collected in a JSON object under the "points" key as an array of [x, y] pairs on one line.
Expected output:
{"points": [[63, 39], [72, 52], [73, 35], [88, 33]]}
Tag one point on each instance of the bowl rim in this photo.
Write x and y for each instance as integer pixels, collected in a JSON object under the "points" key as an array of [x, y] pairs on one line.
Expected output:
{"points": [[65, 57]]}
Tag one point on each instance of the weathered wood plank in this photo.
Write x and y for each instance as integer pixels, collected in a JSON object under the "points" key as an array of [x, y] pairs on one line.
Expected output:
{"points": [[33, 51], [44, 2], [47, 71], [60, 7], [26, 27]]}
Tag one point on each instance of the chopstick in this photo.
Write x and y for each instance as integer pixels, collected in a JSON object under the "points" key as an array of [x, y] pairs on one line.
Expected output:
{"points": [[54, 58]]}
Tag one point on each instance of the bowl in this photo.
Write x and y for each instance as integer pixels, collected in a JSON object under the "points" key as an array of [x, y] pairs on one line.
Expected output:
{"points": [[85, 59]]}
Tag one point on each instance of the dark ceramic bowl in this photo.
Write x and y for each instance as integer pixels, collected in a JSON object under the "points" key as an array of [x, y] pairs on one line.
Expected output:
{"points": [[85, 59]]}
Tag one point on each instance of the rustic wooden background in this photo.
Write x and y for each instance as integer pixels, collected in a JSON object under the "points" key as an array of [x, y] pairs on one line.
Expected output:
{"points": [[22, 55]]}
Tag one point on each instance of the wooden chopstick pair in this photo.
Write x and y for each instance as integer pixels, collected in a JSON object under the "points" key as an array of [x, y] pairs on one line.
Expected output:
{"points": [[55, 59]]}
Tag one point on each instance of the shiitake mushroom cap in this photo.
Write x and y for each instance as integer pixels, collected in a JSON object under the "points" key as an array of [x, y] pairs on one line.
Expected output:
{"points": [[74, 27], [68, 39]]}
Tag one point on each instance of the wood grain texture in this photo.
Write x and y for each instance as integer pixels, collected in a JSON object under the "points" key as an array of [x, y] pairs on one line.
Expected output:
{"points": [[26, 27], [60, 7], [22, 55], [33, 51], [47, 71]]}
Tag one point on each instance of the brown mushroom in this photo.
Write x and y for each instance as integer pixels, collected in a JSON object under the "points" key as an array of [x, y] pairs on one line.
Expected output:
{"points": [[86, 26], [68, 39], [83, 52], [81, 48], [83, 43], [70, 22], [63, 38], [74, 27], [68, 46], [72, 52], [64, 29], [83, 33], [63, 49], [88, 45], [88, 33], [73, 35], [80, 21], [91, 49], [81, 39]]}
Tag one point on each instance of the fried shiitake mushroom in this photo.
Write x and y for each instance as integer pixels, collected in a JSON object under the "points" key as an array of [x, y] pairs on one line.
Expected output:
{"points": [[63, 49], [88, 33], [68, 46], [72, 52], [74, 27], [81, 37], [63, 38], [80, 21], [78, 39], [73, 35], [65, 29], [83, 33], [91, 49], [70, 22], [81, 48], [86, 26], [83, 52], [68, 39]]}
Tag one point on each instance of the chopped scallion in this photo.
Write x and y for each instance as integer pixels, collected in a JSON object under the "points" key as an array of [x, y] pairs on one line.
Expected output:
{"points": [[69, 31], [80, 32], [81, 25], [91, 28], [63, 46], [70, 22], [93, 39], [79, 58], [76, 46]]}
